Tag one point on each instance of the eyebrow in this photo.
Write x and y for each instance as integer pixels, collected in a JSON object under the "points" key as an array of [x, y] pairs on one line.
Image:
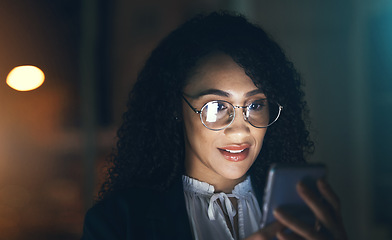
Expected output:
{"points": [[253, 92], [221, 93], [211, 91]]}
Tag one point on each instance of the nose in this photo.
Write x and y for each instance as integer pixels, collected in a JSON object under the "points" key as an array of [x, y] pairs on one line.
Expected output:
{"points": [[244, 110], [240, 123]]}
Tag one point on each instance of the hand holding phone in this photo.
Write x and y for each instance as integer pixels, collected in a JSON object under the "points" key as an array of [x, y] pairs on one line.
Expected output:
{"points": [[281, 190]]}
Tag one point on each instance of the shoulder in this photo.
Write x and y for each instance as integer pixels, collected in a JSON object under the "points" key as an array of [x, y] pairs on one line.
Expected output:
{"points": [[118, 206], [132, 200], [110, 218], [130, 211]]}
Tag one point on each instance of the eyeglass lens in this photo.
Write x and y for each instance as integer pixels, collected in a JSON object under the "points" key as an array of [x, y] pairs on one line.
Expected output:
{"points": [[217, 115]]}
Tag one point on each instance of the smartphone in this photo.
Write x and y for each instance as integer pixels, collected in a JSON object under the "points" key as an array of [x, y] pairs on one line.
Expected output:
{"points": [[281, 192]]}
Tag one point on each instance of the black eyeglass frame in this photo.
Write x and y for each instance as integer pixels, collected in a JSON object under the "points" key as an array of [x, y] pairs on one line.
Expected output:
{"points": [[232, 120]]}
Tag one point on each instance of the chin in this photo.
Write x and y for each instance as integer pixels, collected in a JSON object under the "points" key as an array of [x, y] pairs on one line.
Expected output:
{"points": [[235, 175], [236, 172]]}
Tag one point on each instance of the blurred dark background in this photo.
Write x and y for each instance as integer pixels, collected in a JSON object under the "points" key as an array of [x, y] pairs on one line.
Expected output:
{"points": [[53, 140]]}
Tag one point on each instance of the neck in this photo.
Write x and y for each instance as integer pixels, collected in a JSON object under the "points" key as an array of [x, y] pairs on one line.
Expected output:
{"points": [[226, 186], [220, 183]]}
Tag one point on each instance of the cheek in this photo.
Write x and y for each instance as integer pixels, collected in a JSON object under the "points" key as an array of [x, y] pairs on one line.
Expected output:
{"points": [[197, 135], [259, 137]]}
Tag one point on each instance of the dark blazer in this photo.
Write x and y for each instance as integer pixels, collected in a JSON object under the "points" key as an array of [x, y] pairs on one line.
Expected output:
{"points": [[141, 214]]}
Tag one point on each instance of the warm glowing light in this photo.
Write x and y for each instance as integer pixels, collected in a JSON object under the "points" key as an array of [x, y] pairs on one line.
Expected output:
{"points": [[25, 78]]}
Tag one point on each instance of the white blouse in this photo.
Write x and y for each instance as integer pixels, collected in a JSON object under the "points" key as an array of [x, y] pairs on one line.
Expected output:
{"points": [[207, 217]]}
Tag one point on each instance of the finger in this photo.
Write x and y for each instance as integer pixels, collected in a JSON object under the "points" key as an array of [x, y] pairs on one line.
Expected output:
{"points": [[331, 220], [329, 195], [318, 207], [296, 226]]}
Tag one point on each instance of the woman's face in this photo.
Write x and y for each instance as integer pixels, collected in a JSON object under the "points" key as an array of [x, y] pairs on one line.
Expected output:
{"points": [[223, 157]]}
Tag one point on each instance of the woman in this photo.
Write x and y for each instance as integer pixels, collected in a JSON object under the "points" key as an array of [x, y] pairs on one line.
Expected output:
{"points": [[216, 103]]}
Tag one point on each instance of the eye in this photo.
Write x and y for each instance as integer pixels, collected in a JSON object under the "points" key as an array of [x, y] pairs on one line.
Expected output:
{"points": [[215, 107], [257, 105], [221, 106]]}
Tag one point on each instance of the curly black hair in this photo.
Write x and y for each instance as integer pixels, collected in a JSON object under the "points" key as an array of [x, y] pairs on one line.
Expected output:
{"points": [[150, 147]]}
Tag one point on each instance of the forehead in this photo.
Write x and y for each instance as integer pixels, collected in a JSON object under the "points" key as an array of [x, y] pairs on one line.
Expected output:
{"points": [[218, 71]]}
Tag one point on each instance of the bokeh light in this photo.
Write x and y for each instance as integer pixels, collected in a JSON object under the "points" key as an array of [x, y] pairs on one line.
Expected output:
{"points": [[25, 78]]}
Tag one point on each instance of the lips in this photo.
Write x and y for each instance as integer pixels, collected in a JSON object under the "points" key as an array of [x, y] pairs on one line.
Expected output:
{"points": [[235, 153]]}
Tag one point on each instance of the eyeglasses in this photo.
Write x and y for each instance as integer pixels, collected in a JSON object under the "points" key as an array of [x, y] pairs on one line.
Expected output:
{"points": [[218, 115]]}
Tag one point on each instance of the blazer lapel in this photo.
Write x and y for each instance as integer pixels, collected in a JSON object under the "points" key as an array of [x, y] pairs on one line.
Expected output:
{"points": [[177, 208], [169, 217]]}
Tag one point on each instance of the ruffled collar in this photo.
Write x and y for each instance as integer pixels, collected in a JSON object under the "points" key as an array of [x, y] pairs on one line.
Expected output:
{"points": [[203, 188]]}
